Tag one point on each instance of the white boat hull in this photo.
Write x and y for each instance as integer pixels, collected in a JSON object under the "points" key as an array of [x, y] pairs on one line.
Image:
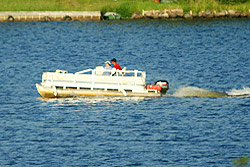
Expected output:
{"points": [[48, 92]]}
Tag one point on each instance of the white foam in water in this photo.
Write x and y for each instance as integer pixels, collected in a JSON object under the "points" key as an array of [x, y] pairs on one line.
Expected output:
{"points": [[197, 92], [239, 92]]}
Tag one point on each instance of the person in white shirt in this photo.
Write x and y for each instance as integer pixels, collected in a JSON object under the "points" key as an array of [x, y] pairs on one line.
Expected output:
{"points": [[107, 67]]}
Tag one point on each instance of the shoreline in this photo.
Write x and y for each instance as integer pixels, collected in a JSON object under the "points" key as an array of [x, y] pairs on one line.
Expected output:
{"points": [[164, 14], [179, 13], [49, 16]]}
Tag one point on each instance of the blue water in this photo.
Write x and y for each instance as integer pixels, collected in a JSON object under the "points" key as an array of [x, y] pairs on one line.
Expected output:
{"points": [[111, 131]]}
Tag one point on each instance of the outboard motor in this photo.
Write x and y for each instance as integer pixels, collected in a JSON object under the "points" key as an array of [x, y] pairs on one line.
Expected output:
{"points": [[164, 86], [159, 86]]}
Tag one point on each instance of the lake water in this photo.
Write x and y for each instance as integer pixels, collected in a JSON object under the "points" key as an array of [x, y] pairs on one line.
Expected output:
{"points": [[177, 130]]}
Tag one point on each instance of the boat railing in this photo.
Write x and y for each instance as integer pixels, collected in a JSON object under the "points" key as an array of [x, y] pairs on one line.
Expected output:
{"points": [[114, 72], [84, 71], [137, 83]]}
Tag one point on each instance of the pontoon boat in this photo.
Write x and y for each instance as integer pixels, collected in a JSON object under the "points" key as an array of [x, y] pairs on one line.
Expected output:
{"points": [[99, 82]]}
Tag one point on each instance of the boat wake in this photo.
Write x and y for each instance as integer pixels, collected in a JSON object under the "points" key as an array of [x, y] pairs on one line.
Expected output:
{"points": [[239, 92], [197, 92], [200, 92]]}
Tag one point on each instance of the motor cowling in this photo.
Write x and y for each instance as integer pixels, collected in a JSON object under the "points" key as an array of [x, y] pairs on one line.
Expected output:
{"points": [[164, 86]]}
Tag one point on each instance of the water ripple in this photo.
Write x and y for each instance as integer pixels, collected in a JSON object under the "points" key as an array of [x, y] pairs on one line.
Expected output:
{"points": [[210, 55]]}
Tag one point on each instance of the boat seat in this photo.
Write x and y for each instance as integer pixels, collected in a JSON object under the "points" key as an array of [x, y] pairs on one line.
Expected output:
{"points": [[99, 70], [62, 71], [113, 71], [120, 72], [124, 71]]}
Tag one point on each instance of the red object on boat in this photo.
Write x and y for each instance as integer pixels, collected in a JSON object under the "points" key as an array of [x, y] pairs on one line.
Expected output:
{"points": [[154, 87]]}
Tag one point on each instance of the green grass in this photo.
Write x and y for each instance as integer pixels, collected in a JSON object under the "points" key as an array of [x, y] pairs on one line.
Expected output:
{"points": [[28, 5], [124, 7]]}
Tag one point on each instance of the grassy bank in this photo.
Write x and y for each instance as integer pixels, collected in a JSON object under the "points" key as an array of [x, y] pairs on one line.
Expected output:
{"points": [[124, 7]]}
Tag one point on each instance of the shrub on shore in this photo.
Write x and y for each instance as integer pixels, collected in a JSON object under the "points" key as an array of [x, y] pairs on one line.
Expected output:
{"points": [[127, 8], [233, 1]]}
